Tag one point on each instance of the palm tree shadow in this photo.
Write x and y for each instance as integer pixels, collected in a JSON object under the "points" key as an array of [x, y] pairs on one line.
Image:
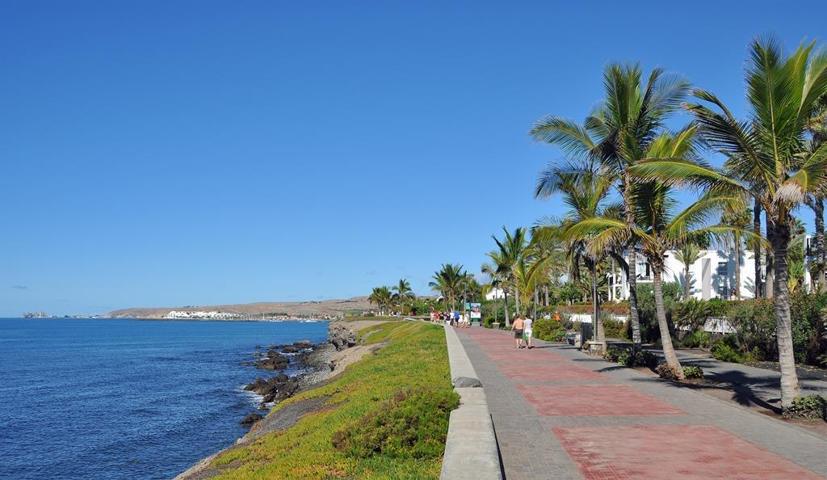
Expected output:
{"points": [[743, 388]]}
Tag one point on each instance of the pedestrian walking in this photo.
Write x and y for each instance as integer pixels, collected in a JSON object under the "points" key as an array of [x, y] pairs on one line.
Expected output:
{"points": [[527, 324], [517, 328]]}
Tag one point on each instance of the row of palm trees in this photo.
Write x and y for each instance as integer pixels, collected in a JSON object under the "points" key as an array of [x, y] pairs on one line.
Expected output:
{"points": [[387, 299], [775, 161]]}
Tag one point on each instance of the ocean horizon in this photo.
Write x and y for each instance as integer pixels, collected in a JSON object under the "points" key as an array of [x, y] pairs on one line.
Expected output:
{"points": [[127, 398]]}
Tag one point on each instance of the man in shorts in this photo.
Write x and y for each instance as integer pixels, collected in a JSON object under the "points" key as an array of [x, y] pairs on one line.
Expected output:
{"points": [[527, 324], [517, 328]]}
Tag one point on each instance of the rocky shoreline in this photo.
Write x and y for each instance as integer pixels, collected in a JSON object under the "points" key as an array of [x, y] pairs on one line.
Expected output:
{"points": [[314, 363]]}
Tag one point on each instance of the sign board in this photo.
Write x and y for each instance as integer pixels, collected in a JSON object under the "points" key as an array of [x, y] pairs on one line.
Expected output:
{"points": [[476, 311]]}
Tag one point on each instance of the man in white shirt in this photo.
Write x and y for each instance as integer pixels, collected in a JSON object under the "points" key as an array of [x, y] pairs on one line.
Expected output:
{"points": [[527, 325]]}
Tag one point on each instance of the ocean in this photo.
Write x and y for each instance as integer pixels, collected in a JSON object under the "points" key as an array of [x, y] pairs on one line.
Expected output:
{"points": [[126, 399]]}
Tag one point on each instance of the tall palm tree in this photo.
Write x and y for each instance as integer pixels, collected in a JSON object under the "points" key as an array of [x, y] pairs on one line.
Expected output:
{"points": [[500, 271], [402, 292], [449, 281], [815, 200], [770, 153], [381, 296], [658, 229], [511, 249], [687, 254], [585, 191], [618, 133]]}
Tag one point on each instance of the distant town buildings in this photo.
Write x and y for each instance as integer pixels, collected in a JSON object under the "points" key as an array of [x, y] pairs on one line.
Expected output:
{"points": [[202, 315]]}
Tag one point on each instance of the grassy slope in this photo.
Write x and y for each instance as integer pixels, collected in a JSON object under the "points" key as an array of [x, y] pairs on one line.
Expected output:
{"points": [[415, 355]]}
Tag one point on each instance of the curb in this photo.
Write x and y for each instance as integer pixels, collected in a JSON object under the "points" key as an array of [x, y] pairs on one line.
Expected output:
{"points": [[471, 450]]}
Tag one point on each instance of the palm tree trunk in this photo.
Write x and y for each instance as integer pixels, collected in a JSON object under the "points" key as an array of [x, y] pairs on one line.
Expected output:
{"points": [[599, 334], [769, 287], [545, 292], [632, 274], [633, 311], [536, 301], [756, 229], [505, 298], [737, 266], [780, 240], [820, 257], [663, 326]]}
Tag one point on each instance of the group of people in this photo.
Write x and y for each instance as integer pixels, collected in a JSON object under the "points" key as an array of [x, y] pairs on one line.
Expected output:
{"points": [[522, 331], [453, 318]]}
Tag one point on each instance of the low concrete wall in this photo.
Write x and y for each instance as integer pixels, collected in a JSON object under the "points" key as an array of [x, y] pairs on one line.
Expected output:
{"points": [[471, 448]]}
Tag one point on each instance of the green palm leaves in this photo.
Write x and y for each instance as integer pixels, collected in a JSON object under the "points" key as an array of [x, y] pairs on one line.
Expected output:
{"points": [[449, 282], [769, 158]]}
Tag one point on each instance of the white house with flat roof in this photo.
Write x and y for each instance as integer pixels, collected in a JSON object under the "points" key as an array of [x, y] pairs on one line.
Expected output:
{"points": [[711, 276]]}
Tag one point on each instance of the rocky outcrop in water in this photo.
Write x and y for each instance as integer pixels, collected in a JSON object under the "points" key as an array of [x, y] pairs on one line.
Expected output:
{"points": [[274, 389], [252, 418], [273, 360]]}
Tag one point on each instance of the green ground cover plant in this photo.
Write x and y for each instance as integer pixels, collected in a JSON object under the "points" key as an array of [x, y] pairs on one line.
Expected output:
{"points": [[410, 374]]}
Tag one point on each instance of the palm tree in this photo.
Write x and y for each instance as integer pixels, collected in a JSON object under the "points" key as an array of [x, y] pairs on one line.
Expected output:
{"points": [[584, 191], [658, 230], [771, 156], [510, 250], [818, 130], [687, 254], [449, 281], [500, 271], [403, 292], [381, 296], [618, 134]]}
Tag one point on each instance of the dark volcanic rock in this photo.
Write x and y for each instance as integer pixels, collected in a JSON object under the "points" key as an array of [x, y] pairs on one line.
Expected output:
{"points": [[252, 418], [274, 389], [341, 336], [274, 360]]}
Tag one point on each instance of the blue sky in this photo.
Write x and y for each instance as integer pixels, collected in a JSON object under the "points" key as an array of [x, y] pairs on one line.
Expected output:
{"points": [[176, 153]]}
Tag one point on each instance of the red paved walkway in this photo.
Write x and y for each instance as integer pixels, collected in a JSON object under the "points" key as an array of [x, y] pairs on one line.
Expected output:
{"points": [[613, 426]]}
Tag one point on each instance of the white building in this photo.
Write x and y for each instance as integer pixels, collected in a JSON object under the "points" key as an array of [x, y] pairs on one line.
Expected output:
{"points": [[495, 294], [711, 276]]}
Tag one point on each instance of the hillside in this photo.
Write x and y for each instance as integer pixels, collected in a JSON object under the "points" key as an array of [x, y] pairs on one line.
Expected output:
{"points": [[323, 308]]}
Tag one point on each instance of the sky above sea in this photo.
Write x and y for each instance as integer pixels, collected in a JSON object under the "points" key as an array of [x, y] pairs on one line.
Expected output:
{"points": [[202, 152]]}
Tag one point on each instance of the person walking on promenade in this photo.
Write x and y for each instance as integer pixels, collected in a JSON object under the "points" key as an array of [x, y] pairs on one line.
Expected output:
{"points": [[527, 323], [517, 328]]}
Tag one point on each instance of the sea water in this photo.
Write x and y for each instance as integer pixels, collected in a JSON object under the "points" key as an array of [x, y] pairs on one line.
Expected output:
{"points": [[126, 399]]}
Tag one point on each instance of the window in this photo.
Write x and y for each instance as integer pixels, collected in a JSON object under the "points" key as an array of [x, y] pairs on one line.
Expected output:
{"points": [[722, 280]]}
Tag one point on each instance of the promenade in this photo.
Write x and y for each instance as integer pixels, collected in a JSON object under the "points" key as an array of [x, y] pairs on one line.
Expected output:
{"points": [[561, 414]]}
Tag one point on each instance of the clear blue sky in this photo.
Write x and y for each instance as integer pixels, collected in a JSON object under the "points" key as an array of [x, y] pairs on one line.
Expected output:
{"points": [[175, 153]]}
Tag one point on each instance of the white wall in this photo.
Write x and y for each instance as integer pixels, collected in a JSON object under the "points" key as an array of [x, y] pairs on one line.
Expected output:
{"points": [[705, 279]]}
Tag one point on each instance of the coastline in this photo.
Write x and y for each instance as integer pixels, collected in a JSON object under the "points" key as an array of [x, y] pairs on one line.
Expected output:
{"points": [[326, 360]]}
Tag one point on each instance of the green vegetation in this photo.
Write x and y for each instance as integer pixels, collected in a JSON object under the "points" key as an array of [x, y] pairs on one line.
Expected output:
{"points": [[810, 407], [411, 425], [693, 371], [363, 406]]}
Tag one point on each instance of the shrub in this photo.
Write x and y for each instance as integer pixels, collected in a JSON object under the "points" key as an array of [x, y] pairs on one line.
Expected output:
{"points": [[614, 328], [754, 321], [692, 313], [811, 407], [726, 351], [411, 425], [665, 371], [696, 339], [693, 371], [625, 357], [549, 330]]}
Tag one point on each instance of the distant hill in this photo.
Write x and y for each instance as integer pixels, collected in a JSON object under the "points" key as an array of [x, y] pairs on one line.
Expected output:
{"points": [[322, 308]]}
